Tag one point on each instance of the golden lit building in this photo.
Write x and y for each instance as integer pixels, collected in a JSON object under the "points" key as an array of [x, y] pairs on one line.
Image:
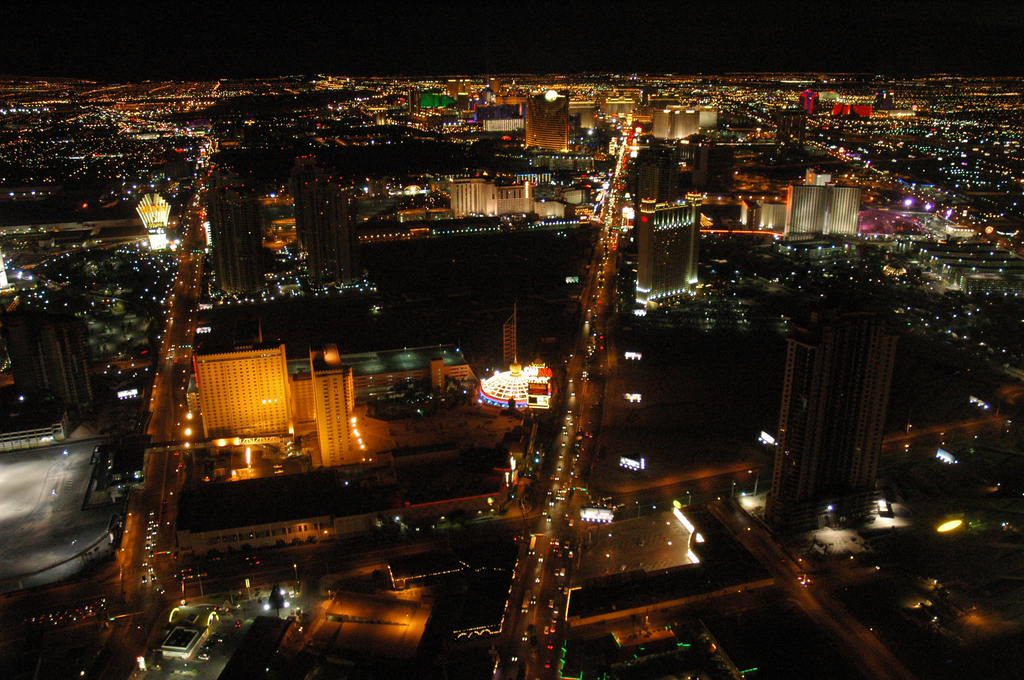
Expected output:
{"points": [[334, 399], [547, 121], [243, 389]]}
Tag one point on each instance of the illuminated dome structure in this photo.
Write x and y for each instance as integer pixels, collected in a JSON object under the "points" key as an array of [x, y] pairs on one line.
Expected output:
{"points": [[530, 386]]}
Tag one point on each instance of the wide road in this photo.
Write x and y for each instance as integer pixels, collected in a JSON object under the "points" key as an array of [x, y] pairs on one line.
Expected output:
{"points": [[536, 625], [146, 567]]}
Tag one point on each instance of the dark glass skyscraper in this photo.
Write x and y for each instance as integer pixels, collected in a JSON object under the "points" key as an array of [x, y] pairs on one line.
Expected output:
{"points": [[49, 356], [657, 176], [236, 231], [323, 224], [791, 128], [834, 400]]}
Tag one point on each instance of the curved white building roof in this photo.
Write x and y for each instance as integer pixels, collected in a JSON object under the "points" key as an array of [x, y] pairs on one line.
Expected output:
{"points": [[501, 387]]}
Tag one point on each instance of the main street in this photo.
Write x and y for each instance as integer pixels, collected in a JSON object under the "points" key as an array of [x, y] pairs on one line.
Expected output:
{"points": [[146, 566], [532, 638]]}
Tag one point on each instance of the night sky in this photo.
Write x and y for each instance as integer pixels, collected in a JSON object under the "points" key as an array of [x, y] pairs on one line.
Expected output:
{"points": [[188, 40]]}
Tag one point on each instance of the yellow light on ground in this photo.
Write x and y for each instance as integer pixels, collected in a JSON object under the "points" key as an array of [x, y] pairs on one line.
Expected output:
{"points": [[949, 526]]}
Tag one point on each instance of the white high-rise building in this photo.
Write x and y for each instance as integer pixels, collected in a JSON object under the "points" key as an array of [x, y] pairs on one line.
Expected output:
{"points": [[820, 208], [479, 196], [4, 283], [676, 122], [759, 214], [708, 118], [475, 196], [515, 198], [667, 240]]}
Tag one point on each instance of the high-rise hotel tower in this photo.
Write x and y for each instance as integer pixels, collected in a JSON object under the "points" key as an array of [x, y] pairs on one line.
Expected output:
{"points": [[834, 402], [324, 224], [547, 121], [667, 243]]}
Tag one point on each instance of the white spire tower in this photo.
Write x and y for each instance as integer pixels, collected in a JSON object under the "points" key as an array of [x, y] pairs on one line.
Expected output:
{"points": [[4, 284]]}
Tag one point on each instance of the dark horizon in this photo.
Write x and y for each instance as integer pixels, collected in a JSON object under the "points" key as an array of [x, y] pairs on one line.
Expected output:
{"points": [[268, 39]]}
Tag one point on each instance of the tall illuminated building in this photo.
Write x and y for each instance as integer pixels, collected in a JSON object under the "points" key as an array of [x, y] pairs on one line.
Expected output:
{"points": [[236, 233], [834, 400], [667, 243], [154, 211], [884, 101], [587, 113], [4, 283], [821, 208], [711, 164], [324, 225], [808, 101], [243, 386], [334, 399], [547, 121], [676, 122], [474, 196]]}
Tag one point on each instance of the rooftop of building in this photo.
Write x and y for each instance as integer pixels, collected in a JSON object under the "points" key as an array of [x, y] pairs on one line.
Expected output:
{"points": [[390, 361], [379, 626], [253, 657], [284, 498], [651, 543], [325, 492], [960, 247], [723, 563]]}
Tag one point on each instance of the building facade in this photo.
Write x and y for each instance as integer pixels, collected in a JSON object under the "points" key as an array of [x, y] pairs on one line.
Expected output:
{"points": [[324, 225], [244, 390], [657, 176], [334, 400], [515, 198], [49, 356], [834, 401], [236, 234], [675, 122], [478, 196], [791, 128], [667, 239], [821, 208], [474, 196], [547, 121]]}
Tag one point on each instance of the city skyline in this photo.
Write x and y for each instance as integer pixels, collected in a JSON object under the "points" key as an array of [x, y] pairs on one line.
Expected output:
{"points": [[255, 336]]}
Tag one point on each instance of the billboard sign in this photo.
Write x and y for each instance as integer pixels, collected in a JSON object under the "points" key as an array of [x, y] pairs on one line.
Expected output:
{"points": [[596, 514]]}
